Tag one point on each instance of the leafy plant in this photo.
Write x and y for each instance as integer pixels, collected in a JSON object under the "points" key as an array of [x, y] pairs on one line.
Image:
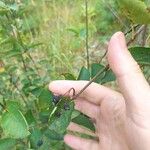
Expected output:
{"points": [[32, 117]]}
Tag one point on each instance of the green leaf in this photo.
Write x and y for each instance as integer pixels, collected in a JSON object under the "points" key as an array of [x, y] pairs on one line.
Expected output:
{"points": [[84, 74], [84, 121], [30, 118], [53, 135], [108, 77], [6, 144], [105, 77], [35, 137], [36, 91], [13, 122], [141, 54], [75, 113], [12, 53], [135, 10], [44, 116], [45, 99], [13, 105], [60, 123], [75, 31], [51, 144], [95, 68]]}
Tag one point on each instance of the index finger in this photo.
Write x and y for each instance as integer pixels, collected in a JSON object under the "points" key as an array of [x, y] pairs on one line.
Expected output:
{"points": [[94, 93]]}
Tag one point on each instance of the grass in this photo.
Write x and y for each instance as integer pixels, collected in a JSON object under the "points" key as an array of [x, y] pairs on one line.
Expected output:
{"points": [[62, 33], [59, 45]]}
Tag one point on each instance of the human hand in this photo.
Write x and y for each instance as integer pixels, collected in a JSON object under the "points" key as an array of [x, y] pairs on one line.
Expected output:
{"points": [[122, 120]]}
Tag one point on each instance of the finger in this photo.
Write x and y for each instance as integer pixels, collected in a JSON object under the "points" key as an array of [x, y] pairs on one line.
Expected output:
{"points": [[80, 143], [111, 124], [77, 128], [130, 78], [87, 108], [94, 93]]}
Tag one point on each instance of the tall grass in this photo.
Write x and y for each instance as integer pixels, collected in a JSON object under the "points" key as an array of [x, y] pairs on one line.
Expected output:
{"points": [[62, 30]]}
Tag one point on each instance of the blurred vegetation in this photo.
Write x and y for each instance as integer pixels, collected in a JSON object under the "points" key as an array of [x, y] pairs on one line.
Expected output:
{"points": [[59, 28], [44, 40]]}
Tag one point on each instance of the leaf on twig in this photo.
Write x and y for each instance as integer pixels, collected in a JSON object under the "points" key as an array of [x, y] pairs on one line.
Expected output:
{"points": [[14, 123], [141, 55]]}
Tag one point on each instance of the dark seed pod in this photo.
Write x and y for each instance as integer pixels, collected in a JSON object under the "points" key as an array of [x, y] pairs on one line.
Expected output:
{"points": [[66, 106], [39, 143], [56, 99]]}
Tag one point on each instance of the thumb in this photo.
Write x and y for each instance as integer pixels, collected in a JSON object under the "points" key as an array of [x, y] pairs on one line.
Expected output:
{"points": [[132, 83]]}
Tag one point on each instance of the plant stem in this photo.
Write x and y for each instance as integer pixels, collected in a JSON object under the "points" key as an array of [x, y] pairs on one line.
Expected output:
{"points": [[130, 30], [2, 106], [91, 81], [87, 34], [23, 46], [135, 35], [103, 56], [143, 39], [25, 68], [16, 86], [29, 55]]}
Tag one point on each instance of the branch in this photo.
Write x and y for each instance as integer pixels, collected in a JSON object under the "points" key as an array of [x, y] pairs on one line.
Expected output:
{"points": [[16, 86], [143, 41], [34, 64], [103, 56], [131, 29], [91, 81], [23, 46], [135, 35], [3, 106]]}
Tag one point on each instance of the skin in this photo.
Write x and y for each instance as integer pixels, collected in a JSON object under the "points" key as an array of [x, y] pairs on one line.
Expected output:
{"points": [[122, 119]]}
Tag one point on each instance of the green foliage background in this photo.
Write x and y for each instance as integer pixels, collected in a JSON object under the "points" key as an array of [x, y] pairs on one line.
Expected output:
{"points": [[45, 40]]}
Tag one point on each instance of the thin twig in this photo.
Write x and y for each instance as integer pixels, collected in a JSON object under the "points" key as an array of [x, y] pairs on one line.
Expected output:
{"points": [[25, 69], [2, 106], [103, 56], [147, 40], [135, 35], [143, 41], [91, 81], [24, 47], [17, 88], [87, 33], [130, 30], [29, 55]]}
